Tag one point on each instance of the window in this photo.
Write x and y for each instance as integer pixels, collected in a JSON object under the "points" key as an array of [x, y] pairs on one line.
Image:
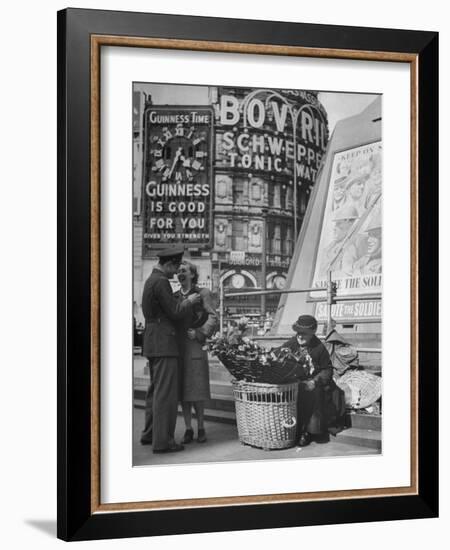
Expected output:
{"points": [[239, 236], [283, 238], [240, 191], [283, 195], [276, 201], [270, 237], [289, 201], [271, 194], [257, 190], [277, 240], [288, 242], [303, 201]]}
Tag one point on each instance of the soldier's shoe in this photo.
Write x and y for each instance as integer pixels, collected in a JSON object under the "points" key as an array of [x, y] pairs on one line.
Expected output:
{"points": [[188, 436], [304, 439], [146, 441], [201, 438], [172, 449]]}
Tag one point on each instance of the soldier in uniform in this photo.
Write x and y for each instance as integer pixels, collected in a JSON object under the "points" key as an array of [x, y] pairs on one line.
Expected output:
{"points": [[161, 309], [371, 261], [336, 255], [354, 190]]}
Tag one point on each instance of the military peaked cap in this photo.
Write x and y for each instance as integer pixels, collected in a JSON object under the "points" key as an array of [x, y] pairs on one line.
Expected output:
{"points": [[174, 251]]}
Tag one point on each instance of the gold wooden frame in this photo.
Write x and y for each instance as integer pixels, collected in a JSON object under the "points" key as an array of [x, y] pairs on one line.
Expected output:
{"points": [[97, 41]]}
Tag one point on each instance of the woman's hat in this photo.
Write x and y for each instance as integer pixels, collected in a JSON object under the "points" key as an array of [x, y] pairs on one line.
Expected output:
{"points": [[306, 324]]}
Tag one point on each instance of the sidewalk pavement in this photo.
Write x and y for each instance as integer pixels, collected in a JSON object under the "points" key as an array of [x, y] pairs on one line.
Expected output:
{"points": [[223, 445]]}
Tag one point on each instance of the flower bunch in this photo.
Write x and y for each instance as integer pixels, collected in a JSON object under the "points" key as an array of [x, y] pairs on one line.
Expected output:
{"points": [[260, 363], [243, 322], [300, 362], [235, 345]]}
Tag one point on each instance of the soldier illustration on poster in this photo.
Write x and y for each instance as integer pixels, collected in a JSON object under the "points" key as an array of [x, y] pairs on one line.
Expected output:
{"points": [[351, 237]]}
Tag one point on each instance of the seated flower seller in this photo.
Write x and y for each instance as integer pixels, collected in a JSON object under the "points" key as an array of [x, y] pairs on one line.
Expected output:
{"points": [[315, 407]]}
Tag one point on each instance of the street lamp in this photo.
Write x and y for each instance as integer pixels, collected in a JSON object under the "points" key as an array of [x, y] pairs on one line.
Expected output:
{"points": [[216, 258], [264, 211]]}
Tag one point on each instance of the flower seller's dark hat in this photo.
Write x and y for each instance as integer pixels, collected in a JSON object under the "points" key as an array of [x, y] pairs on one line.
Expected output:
{"points": [[305, 324]]}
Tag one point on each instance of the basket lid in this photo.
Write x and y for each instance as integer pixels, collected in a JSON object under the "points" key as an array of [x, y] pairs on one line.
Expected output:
{"points": [[361, 388]]}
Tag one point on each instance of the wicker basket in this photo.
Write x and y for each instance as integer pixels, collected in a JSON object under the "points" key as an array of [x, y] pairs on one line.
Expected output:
{"points": [[266, 414]]}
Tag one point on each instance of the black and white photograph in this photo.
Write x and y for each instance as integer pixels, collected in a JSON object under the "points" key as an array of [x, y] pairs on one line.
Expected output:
{"points": [[257, 273], [224, 282]]}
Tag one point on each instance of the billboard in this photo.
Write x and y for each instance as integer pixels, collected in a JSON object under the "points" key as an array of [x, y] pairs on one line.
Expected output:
{"points": [[274, 132], [350, 244], [177, 187], [353, 310]]}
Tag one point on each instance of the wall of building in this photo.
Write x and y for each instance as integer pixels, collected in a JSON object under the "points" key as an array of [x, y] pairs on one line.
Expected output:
{"points": [[254, 196], [254, 170]]}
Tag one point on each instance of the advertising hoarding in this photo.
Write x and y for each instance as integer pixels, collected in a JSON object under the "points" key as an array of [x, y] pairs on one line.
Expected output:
{"points": [[350, 244], [177, 188]]}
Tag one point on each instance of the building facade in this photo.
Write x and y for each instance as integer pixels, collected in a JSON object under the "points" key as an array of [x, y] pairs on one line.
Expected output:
{"points": [[241, 168]]}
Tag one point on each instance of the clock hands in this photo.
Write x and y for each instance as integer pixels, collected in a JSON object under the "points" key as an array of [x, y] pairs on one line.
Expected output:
{"points": [[175, 161], [188, 162]]}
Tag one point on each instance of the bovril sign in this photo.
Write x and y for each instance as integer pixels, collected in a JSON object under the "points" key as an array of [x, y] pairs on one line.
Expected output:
{"points": [[272, 135]]}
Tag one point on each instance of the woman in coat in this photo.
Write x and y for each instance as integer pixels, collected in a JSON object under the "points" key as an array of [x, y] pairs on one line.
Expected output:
{"points": [[194, 330]]}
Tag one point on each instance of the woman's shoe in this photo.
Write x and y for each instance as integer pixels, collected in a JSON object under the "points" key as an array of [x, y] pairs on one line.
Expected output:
{"points": [[188, 436], [201, 438]]}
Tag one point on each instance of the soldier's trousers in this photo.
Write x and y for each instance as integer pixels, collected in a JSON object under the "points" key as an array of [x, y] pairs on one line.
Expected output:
{"points": [[161, 402]]}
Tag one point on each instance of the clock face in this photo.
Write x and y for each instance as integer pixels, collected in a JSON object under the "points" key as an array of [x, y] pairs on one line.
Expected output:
{"points": [[238, 280], [280, 282], [179, 153]]}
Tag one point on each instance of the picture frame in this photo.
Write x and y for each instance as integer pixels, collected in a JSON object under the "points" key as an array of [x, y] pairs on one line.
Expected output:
{"points": [[81, 35]]}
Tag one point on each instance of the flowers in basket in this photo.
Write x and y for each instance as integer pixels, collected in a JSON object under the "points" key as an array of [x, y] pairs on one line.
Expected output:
{"points": [[236, 345], [248, 360]]}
